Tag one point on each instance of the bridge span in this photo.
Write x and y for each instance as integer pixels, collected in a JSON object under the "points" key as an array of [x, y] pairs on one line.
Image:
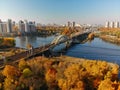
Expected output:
{"points": [[29, 53]]}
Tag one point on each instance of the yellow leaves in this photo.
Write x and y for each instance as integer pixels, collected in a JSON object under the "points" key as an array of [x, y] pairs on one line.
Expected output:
{"points": [[62, 83], [51, 75], [80, 85], [66, 31], [72, 80], [66, 75], [108, 75], [9, 84], [28, 46], [22, 64], [96, 68], [115, 69], [72, 72], [8, 38], [106, 85], [91, 36], [8, 42], [111, 31], [10, 71]]}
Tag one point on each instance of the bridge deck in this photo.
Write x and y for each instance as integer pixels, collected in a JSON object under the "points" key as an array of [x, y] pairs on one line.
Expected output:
{"points": [[35, 51], [27, 53]]}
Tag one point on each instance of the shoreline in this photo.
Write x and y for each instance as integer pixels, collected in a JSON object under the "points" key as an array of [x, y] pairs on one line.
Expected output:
{"points": [[108, 38]]}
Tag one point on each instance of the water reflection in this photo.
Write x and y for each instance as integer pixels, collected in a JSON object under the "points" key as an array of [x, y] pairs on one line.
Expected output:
{"points": [[33, 40]]}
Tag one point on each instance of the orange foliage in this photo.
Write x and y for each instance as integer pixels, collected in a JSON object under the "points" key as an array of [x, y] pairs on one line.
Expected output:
{"points": [[51, 77], [10, 71], [91, 36], [96, 82], [8, 42], [51, 74]]}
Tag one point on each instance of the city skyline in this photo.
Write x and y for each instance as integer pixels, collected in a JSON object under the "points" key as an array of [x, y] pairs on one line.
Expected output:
{"points": [[61, 11]]}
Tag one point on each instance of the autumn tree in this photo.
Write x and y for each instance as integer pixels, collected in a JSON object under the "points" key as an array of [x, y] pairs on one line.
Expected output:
{"points": [[9, 84], [22, 64], [106, 85], [11, 72], [50, 77], [73, 78], [12, 75]]}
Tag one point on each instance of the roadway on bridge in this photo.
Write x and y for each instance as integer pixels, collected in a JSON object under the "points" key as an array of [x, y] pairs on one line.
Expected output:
{"points": [[35, 51]]}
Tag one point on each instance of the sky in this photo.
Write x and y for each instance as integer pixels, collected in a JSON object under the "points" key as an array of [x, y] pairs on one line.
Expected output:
{"points": [[61, 11]]}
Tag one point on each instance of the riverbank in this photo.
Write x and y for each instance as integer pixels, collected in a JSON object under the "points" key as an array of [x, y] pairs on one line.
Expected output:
{"points": [[60, 73], [111, 35], [111, 39]]}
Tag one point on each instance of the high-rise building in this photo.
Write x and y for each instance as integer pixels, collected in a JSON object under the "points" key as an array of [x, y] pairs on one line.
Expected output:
{"points": [[112, 24], [73, 24], [9, 26], [4, 27], [116, 25], [21, 27], [107, 24], [69, 24], [26, 27], [32, 27], [1, 30], [0, 21], [13, 26]]}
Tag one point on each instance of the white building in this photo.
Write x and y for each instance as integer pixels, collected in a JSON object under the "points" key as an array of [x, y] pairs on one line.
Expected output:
{"points": [[21, 26], [1, 30], [116, 25], [111, 24], [26, 26], [32, 27], [13, 26], [3, 27], [6, 27], [107, 24], [9, 26]]}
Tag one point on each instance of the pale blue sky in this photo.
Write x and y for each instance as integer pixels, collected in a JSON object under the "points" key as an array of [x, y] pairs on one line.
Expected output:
{"points": [[61, 11]]}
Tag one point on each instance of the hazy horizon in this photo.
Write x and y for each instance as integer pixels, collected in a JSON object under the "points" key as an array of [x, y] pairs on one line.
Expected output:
{"points": [[61, 11]]}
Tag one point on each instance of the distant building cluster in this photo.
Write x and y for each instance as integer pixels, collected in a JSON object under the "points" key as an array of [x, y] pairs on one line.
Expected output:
{"points": [[112, 25], [9, 26], [71, 24], [26, 27], [23, 27]]}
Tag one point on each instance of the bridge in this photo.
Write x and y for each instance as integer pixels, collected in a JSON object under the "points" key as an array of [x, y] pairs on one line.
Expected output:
{"points": [[29, 53]]}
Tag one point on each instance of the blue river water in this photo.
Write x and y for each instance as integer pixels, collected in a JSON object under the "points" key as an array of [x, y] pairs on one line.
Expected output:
{"points": [[96, 49], [33, 40]]}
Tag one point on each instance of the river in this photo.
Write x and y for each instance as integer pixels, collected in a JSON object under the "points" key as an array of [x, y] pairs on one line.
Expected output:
{"points": [[33, 40], [96, 49]]}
